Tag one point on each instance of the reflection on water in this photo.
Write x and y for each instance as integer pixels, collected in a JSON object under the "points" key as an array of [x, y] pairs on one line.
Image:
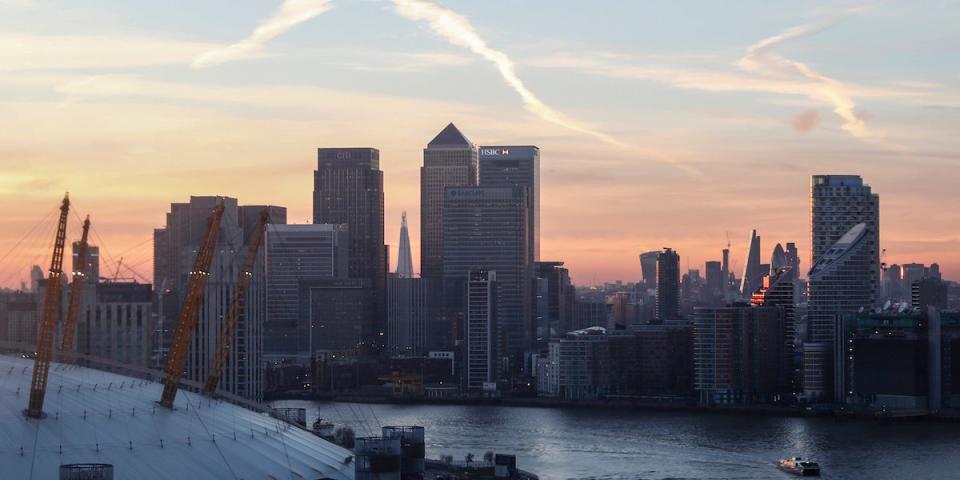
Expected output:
{"points": [[630, 445]]}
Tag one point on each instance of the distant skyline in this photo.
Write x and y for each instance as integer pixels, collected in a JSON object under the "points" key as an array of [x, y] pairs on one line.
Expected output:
{"points": [[665, 124]]}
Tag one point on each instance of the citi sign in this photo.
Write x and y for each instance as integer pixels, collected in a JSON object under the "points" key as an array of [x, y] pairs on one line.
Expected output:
{"points": [[493, 152]]}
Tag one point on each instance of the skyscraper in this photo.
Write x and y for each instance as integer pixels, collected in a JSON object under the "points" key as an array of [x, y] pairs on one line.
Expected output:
{"points": [[333, 309], [408, 314], [778, 290], [516, 166], [483, 336], [845, 266], [648, 268], [837, 204], [176, 246], [893, 282], [929, 292], [668, 285], [450, 160], [296, 254], [714, 279], [409, 302], [555, 298], [793, 260], [404, 259], [934, 271], [725, 269], [91, 267], [486, 229], [752, 270], [912, 273], [348, 189], [841, 283], [778, 259]]}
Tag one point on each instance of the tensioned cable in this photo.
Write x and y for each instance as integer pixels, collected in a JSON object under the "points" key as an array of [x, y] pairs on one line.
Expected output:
{"points": [[34, 227], [47, 232], [216, 446]]}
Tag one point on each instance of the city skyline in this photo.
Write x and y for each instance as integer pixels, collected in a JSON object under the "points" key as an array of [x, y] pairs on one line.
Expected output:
{"points": [[133, 130]]}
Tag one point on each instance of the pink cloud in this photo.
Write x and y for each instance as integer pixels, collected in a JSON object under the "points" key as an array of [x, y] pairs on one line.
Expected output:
{"points": [[806, 120]]}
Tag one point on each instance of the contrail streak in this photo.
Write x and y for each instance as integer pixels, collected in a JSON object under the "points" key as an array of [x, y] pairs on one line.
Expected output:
{"points": [[458, 30], [761, 58], [290, 14]]}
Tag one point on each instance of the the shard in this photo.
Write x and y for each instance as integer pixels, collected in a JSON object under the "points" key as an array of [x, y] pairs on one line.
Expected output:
{"points": [[404, 260]]}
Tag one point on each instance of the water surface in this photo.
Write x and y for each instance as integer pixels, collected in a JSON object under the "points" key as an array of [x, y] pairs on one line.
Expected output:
{"points": [[632, 445]]}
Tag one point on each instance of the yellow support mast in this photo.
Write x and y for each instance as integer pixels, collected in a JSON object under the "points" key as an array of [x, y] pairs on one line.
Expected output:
{"points": [[233, 315], [190, 312], [48, 323], [76, 290]]}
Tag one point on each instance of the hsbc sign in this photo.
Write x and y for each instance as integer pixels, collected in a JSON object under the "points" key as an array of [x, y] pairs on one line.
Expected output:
{"points": [[494, 152]]}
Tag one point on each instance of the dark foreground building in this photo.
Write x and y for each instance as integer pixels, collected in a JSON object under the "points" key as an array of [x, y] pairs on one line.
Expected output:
{"points": [[739, 355], [348, 189], [485, 229], [905, 360]]}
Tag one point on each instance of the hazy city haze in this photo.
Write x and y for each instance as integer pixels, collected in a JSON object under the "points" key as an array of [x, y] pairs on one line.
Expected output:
{"points": [[659, 124]]}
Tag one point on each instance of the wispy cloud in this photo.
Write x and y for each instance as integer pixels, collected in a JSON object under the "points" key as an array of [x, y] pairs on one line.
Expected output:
{"points": [[458, 30], [762, 59], [290, 14], [25, 51]]}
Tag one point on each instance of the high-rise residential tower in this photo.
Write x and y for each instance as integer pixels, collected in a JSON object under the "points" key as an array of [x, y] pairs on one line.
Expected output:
{"points": [[837, 204], [841, 283], [778, 290], [668, 285], [483, 337], [176, 246], [450, 160], [516, 166], [845, 267], [348, 189]]}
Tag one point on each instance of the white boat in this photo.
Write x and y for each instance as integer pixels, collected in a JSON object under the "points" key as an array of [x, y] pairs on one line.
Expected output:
{"points": [[799, 467]]}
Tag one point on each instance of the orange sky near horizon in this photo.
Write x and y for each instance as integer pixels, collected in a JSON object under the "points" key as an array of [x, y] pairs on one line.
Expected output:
{"points": [[596, 217]]}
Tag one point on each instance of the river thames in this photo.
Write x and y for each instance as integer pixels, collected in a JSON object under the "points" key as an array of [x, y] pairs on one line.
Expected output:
{"points": [[559, 443]]}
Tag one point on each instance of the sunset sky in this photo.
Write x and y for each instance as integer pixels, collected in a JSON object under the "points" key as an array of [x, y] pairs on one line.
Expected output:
{"points": [[667, 123]]}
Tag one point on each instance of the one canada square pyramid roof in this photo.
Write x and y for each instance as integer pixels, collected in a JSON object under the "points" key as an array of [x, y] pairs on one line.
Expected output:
{"points": [[449, 136]]}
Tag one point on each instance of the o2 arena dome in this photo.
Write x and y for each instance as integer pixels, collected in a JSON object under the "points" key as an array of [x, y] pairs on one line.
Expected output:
{"points": [[96, 417]]}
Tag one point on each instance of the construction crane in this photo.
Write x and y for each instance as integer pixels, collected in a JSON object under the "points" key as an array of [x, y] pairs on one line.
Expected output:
{"points": [[116, 274], [48, 323], [190, 310], [233, 315], [76, 290]]}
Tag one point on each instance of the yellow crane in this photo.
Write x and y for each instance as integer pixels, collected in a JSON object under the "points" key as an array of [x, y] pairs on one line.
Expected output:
{"points": [[189, 312], [48, 323], [76, 291], [233, 315]]}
